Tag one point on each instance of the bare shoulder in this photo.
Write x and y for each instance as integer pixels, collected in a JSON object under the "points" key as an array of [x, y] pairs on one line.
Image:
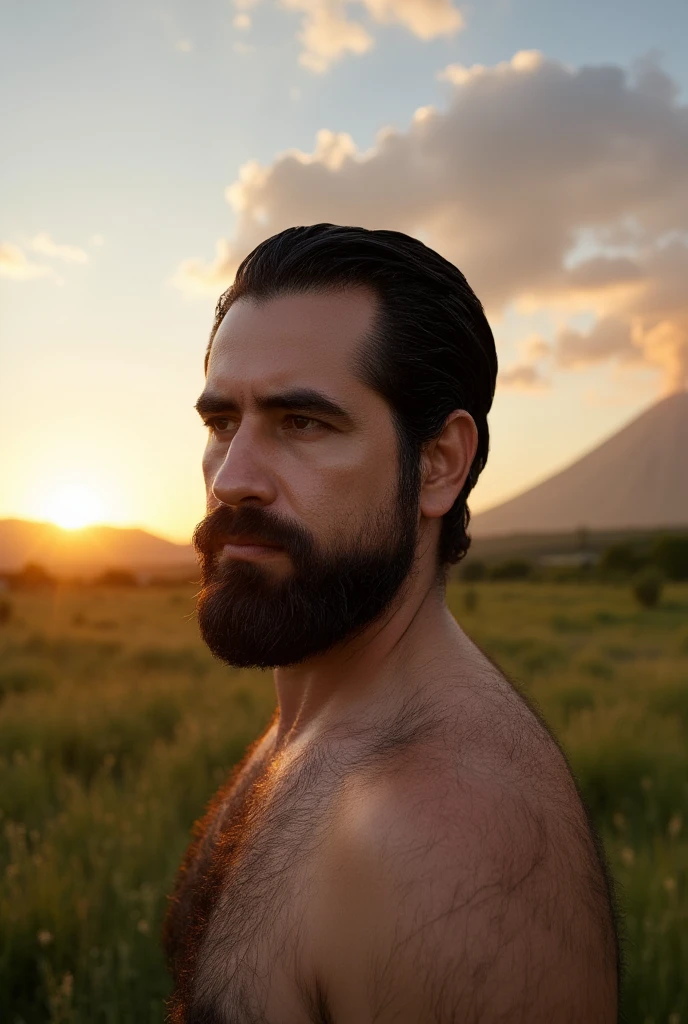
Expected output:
{"points": [[460, 890]]}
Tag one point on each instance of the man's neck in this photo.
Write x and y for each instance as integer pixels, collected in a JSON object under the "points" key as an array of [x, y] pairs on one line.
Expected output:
{"points": [[366, 680]]}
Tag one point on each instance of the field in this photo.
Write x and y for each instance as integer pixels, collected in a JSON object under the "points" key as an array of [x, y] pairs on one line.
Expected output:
{"points": [[116, 725]]}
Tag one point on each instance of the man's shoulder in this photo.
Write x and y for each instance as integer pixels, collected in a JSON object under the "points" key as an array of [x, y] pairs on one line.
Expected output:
{"points": [[444, 866]]}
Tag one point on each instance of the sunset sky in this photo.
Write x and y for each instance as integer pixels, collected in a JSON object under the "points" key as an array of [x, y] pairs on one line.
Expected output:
{"points": [[541, 145]]}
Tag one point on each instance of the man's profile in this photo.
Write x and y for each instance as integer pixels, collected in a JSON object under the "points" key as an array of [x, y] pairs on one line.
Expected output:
{"points": [[405, 843]]}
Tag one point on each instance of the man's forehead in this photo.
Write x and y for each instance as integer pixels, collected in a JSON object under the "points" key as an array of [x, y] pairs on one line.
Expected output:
{"points": [[273, 340]]}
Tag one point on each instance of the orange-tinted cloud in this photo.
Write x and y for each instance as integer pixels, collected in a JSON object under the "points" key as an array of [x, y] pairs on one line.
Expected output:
{"points": [[327, 32], [15, 264], [549, 186], [46, 246]]}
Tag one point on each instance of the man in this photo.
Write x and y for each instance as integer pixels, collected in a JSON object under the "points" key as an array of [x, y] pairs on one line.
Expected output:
{"points": [[405, 843]]}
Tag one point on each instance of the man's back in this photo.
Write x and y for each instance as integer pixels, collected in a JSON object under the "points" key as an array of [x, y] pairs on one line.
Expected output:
{"points": [[435, 866]]}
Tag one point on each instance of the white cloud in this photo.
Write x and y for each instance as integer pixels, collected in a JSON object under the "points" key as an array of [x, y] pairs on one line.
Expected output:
{"points": [[528, 156], [46, 246], [15, 265], [242, 22], [327, 33]]}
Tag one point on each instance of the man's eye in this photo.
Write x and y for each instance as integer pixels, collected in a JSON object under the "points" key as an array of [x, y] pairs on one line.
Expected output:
{"points": [[219, 424]]}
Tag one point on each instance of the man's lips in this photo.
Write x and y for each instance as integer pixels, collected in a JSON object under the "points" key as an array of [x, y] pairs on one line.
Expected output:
{"points": [[246, 546], [248, 540]]}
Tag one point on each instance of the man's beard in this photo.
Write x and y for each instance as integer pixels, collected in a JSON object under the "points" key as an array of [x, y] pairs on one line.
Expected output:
{"points": [[252, 615]]}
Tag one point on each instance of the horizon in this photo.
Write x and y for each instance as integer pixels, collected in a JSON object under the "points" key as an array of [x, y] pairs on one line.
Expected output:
{"points": [[501, 135], [76, 529]]}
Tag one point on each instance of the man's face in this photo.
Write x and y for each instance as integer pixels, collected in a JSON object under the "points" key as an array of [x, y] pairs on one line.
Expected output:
{"points": [[324, 487]]}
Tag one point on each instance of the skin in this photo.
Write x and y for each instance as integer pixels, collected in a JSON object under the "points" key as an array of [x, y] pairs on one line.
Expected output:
{"points": [[446, 871]]}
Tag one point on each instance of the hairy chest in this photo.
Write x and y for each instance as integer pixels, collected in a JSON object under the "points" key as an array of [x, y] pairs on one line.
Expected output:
{"points": [[240, 956]]}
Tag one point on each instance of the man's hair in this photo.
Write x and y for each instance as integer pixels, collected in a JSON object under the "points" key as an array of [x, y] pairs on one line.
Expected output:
{"points": [[431, 349]]}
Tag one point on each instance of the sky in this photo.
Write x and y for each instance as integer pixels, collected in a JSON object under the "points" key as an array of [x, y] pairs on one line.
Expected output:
{"points": [[541, 146]]}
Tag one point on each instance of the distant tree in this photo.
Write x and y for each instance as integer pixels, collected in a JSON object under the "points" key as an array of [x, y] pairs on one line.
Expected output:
{"points": [[116, 578], [474, 570], [511, 569], [34, 576], [670, 554], [5, 610], [620, 560], [647, 586]]}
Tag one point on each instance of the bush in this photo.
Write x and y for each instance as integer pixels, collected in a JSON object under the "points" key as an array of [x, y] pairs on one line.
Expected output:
{"points": [[620, 560], [512, 569], [474, 570], [33, 576], [670, 554], [5, 610], [470, 600], [647, 587], [116, 578]]}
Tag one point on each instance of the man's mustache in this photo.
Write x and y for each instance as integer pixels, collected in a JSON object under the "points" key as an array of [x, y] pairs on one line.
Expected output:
{"points": [[223, 522]]}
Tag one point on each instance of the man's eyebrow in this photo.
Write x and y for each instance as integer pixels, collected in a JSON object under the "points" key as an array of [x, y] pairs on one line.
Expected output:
{"points": [[297, 399]]}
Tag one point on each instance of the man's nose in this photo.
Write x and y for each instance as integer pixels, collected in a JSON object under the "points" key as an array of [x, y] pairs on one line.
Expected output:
{"points": [[243, 473]]}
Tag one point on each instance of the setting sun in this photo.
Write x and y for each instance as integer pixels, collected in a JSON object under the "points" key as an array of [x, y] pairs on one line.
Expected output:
{"points": [[74, 507]]}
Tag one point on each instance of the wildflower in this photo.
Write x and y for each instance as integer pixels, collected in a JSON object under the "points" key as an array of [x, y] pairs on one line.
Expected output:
{"points": [[646, 783], [143, 927], [44, 937], [675, 825], [628, 856], [619, 821], [670, 884]]}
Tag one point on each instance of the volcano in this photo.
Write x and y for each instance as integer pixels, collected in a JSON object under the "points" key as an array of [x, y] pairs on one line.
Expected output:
{"points": [[636, 479]]}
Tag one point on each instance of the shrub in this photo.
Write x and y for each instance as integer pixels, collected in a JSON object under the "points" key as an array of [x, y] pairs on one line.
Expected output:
{"points": [[620, 560], [474, 570], [670, 554], [116, 578], [33, 576], [470, 600], [647, 587], [5, 610], [512, 569]]}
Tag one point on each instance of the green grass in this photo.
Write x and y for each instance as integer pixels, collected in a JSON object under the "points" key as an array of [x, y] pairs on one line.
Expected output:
{"points": [[116, 726]]}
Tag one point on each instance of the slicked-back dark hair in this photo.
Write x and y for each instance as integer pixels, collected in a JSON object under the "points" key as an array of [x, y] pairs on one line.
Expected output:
{"points": [[431, 349]]}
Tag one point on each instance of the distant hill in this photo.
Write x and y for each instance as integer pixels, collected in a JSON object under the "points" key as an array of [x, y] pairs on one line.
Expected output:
{"points": [[87, 551], [635, 480]]}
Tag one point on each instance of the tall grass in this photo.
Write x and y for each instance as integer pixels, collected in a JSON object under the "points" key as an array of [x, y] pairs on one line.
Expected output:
{"points": [[116, 726]]}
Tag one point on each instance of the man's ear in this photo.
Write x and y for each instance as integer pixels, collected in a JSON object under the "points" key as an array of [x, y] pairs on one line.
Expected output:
{"points": [[446, 463]]}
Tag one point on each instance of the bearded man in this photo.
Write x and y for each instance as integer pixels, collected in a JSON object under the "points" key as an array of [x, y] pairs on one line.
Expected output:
{"points": [[405, 843]]}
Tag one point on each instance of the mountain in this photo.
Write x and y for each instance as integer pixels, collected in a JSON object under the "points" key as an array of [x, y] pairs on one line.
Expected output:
{"points": [[86, 551], [636, 479]]}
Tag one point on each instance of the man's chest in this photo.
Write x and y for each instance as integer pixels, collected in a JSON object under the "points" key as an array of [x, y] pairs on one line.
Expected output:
{"points": [[244, 913]]}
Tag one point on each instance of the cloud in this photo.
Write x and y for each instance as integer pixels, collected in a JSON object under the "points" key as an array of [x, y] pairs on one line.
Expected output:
{"points": [[242, 22], [15, 264], [197, 278], [523, 377], [551, 187], [327, 34], [44, 244]]}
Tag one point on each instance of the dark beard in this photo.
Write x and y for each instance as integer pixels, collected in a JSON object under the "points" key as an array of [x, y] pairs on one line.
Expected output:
{"points": [[251, 615]]}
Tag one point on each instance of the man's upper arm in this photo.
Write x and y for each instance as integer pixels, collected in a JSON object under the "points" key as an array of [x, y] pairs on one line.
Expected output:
{"points": [[487, 909]]}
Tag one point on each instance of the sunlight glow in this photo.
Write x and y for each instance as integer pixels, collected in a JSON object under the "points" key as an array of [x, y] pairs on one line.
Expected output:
{"points": [[74, 507]]}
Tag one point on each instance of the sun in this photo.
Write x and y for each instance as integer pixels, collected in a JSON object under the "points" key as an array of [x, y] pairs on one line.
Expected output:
{"points": [[74, 507]]}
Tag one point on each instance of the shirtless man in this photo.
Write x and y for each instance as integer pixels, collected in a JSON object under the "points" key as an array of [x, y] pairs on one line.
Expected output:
{"points": [[405, 843]]}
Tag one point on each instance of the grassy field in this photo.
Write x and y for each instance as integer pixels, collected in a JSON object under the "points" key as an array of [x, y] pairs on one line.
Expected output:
{"points": [[116, 726]]}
